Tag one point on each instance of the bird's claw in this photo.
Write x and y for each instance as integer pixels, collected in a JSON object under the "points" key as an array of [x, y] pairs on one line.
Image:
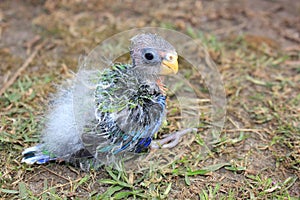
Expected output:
{"points": [[170, 140]]}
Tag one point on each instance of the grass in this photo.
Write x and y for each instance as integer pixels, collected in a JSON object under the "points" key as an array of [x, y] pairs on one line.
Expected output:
{"points": [[256, 157], [23, 101]]}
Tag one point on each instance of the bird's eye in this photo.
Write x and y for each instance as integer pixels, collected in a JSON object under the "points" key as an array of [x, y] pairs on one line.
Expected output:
{"points": [[149, 56]]}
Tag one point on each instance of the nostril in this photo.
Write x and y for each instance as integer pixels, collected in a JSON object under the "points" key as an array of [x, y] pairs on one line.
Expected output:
{"points": [[170, 57]]}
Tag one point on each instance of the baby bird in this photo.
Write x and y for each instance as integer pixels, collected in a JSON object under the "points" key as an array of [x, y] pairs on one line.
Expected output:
{"points": [[129, 108]]}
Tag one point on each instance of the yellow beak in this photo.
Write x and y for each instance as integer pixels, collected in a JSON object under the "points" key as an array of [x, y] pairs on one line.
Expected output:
{"points": [[169, 64]]}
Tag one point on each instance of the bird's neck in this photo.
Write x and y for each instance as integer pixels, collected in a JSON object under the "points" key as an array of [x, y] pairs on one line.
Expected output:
{"points": [[146, 77], [158, 80], [161, 85]]}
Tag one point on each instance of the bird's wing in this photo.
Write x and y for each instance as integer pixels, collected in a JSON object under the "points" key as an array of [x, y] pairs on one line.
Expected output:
{"points": [[129, 112]]}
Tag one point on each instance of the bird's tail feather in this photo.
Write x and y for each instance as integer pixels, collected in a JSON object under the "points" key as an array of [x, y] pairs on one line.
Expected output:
{"points": [[35, 154]]}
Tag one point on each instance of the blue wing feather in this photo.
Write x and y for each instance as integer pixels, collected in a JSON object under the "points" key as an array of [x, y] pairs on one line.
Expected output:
{"points": [[133, 113]]}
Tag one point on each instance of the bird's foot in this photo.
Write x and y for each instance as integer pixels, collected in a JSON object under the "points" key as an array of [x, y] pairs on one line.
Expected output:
{"points": [[170, 140]]}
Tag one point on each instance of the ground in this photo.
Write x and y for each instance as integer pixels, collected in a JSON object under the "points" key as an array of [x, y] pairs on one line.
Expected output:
{"points": [[256, 47]]}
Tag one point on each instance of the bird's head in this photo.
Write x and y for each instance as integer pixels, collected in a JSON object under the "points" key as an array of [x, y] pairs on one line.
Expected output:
{"points": [[151, 54]]}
